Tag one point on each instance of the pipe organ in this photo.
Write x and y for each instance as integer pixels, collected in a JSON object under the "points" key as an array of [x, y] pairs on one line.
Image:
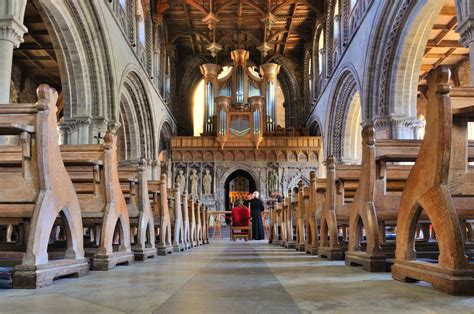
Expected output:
{"points": [[240, 106]]}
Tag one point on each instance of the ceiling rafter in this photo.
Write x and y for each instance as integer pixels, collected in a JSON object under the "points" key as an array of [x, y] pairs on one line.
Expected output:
{"points": [[290, 24], [188, 22]]}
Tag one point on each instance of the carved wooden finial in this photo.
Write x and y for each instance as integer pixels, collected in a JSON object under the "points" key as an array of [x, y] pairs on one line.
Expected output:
{"points": [[331, 163], [110, 140], [368, 135], [312, 176], [47, 98], [439, 80]]}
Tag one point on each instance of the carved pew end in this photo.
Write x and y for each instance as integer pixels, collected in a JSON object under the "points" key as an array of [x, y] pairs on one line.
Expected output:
{"points": [[370, 263], [38, 276], [454, 282], [110, 261], [332, 254], [164, 250], [144, 254]]}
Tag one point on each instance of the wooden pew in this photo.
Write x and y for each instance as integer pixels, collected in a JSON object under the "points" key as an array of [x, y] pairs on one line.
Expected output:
{"points": [[35, 193], [276, 224], [185, 217], [192, 224], [287, 222], [373, 202], [199, 225], [339, 190], [158, 191], [301, 204], [316, 196], [177, 227], [205, 225], [134, 182], [94, 172], [440, 184]]}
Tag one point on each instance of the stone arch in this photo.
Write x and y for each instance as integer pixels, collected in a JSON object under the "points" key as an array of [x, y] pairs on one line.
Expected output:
{"points": [[225, 176], [346, 88], [188, 80], [137, 127], [84, 65], [397, 58], [403, 81], [315, 128]]}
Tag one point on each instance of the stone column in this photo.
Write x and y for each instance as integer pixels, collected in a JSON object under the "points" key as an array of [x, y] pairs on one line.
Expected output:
{"points": [[11, 36]]}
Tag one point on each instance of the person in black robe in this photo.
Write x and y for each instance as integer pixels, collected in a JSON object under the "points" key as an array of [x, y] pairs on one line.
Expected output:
{"points": [[256, 209]]}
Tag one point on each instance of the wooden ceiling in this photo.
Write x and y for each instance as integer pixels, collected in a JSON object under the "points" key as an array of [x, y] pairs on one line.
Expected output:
{"points": [[443, 45], [36, 57], [240, 24]]}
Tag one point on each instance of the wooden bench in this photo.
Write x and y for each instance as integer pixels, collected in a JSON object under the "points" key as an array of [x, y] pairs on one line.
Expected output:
{"points": [[339, 190], [314, 209], [276, 225], [440, 184], [158, 192], [192, 223], [373, 201], [302, 199], [205, 225], [35, 193], [177, 227], [287, 222], [199, 225], [133, 178], [93, 171], [185, 216]]}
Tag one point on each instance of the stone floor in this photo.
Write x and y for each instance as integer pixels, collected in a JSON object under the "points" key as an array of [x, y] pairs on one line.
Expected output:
{"points": [[228, 277]]}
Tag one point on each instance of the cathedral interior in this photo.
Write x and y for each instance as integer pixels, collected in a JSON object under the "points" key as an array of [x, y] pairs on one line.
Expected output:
{"points": [[135, 133]]}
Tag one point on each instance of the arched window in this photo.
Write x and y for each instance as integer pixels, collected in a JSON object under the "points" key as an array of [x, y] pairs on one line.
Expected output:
{"points": [[321, 51], [336, 21], [140, 22], [310, 78], [198, 108]]}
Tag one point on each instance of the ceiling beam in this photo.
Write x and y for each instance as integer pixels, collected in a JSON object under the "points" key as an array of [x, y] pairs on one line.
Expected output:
{"points": [[290, 25], [188, 23]]}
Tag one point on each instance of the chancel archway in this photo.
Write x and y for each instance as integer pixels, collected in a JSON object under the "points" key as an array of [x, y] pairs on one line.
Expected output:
{"points": [[239, 181]]}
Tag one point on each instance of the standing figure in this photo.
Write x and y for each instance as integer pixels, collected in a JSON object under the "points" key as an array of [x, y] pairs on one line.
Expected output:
{"points": [[206, 182], [256, 209], [272, 181], [193, 178], [181, 180]]}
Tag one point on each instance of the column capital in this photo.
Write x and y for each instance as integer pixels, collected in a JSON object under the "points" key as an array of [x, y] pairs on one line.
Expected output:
{"points": [[466, 31], [12, 30]]}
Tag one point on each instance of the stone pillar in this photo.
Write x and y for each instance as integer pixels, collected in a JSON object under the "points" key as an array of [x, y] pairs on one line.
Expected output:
{"points": [[11, 36], [270, 73], [396, 127]]}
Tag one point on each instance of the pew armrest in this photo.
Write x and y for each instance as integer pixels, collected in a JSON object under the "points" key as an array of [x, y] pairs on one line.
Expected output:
{"points": [[13, 128]]}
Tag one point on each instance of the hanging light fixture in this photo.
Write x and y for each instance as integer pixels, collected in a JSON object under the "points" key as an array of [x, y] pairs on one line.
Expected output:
{"points": [[214, 48], [211, 19], [268, 20]]}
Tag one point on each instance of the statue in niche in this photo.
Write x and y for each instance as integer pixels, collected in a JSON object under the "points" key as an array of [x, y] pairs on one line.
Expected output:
{"points": [[272, 181], [207, 182], [181, 180], [193, 178]]}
